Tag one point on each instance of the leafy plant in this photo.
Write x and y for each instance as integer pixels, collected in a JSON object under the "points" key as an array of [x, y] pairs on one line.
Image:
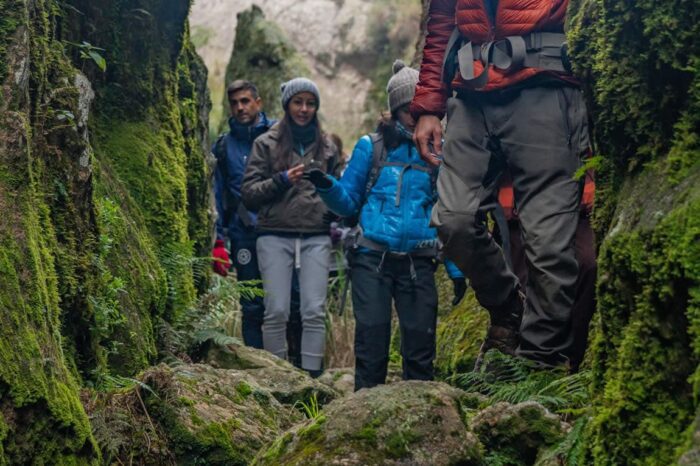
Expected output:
{"points": [[65, 115], [591, 163], [215, 317], [90, 52], [514, 380], [572, 450], [311, 409]]}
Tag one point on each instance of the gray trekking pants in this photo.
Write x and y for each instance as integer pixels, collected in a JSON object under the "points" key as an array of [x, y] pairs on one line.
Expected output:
{"points": [[277, 257], [540, 134]]}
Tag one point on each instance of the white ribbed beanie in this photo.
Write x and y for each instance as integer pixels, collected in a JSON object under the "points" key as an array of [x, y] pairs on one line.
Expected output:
{"points": [[402, 85]]}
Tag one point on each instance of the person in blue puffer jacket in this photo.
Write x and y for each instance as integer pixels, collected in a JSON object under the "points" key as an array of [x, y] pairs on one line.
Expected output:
{"points": [[395, 254]]}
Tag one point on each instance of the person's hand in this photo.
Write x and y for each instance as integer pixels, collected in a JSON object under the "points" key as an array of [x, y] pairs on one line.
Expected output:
{"points": [[294, 174], [428, 139], [317, 178], [336, 233], [459, 288], [221, 262]]}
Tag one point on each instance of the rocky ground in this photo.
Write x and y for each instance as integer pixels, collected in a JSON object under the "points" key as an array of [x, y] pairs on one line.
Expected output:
{"points": [[244, 406]]}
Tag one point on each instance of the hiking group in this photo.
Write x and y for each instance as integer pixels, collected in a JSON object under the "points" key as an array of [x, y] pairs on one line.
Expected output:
{"points": [[494, 196]]}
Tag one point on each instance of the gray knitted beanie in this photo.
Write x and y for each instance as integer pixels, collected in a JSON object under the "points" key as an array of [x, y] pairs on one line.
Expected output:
{"points": [[402, 85], [297, 85]]}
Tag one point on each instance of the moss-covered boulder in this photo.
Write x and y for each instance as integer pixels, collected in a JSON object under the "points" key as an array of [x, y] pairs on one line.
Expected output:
{"points": [[285, 382], [263, 54], [640, 64], [516, 434], [417, 423], [340, 379], [189, 414]]}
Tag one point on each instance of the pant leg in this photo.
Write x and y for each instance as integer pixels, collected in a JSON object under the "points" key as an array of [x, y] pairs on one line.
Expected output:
{"points": [[276, 260], [542, 133], [313, 287], [465, 185], [245, 260], [371, 304], [517, 251], [585, 303], [294, 326], [416, 305]]}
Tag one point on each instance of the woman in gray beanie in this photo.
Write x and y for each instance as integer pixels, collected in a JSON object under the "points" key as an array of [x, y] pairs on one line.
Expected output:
{"points": [[392, 190], [293, 222]]}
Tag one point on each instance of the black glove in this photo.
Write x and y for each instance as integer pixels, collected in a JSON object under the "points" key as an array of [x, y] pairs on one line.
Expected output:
{"points": [[459, 289], [330, 217], [318, 178]]}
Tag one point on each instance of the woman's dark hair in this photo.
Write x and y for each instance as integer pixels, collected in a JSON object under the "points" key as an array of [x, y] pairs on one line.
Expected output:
{"points": [[285, 146], [387, 128]]}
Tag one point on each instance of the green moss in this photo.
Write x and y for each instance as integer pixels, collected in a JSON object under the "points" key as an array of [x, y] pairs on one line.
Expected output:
{"points": [[367, 434], [398, 443], [459, 336], [277, 449], [43, 421], [244, 389], [148, 160], [9, 22], [639, 61], [646, 355]]}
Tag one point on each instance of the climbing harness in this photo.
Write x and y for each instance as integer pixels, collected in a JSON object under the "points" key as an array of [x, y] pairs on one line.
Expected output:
{"points": [[543, 50]]}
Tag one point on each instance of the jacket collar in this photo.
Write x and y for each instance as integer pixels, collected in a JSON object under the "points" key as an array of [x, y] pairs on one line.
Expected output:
{"points": [[249, 132]]}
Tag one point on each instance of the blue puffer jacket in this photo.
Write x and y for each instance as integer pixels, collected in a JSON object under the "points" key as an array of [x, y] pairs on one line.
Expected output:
{"points": [[231, 151], [397, 210]]}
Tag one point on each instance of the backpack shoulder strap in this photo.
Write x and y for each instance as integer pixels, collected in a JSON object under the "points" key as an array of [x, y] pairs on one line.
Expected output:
{"points": [[378, 156], [220, 147]]}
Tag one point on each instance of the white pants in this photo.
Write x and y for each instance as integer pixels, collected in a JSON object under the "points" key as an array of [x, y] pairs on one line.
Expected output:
{"points": [[277, 258]]}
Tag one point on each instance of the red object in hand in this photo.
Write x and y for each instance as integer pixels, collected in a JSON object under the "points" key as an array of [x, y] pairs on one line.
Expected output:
{"points": [[222, 262]]}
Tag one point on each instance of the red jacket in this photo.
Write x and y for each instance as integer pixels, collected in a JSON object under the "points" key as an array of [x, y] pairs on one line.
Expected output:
{"points": [[513, 17]]}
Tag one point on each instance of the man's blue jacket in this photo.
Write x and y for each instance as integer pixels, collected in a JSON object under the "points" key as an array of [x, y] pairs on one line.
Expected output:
{"points": [[396, 213], [232, 150]]}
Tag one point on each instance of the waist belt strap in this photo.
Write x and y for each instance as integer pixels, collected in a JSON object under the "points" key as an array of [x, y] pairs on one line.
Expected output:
{"points": [[374, 246], [544, 50]]}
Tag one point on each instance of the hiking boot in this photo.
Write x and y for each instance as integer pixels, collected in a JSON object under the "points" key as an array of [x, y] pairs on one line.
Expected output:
{"points": [[504, 333], [503, 339]]}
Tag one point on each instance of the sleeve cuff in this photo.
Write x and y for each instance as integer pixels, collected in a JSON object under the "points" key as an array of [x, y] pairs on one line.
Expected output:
{"points": [[282, 180]]}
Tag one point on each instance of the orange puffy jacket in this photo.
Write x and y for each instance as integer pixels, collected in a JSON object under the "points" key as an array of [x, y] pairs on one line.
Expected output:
{"points": [[513, 18]]}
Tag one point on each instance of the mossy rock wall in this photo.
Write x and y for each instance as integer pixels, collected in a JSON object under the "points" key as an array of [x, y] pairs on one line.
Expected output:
{"points": [[41, 420], [640, 62], [150, 185], [104, 198], [263, 55]]}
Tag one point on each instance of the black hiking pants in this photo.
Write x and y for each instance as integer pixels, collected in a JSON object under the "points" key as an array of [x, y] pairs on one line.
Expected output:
{"points": [[374, 283], [539, 134]]}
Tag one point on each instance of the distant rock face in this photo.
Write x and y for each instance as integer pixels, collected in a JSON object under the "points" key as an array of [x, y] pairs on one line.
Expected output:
{"points": [[343, 43], [262, 53]]}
